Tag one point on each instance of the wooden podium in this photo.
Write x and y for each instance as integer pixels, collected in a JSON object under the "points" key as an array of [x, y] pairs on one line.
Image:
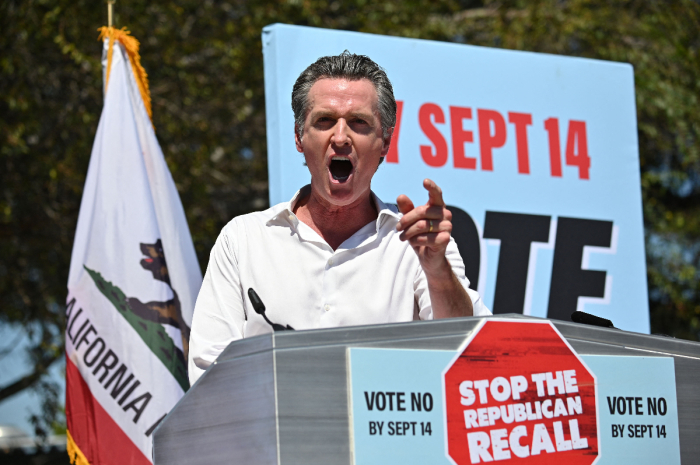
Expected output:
{"points": [[283, 398]]}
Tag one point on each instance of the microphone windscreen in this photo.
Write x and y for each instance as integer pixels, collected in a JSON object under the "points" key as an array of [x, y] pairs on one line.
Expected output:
{"points": [[588, 319], [255, 300]]}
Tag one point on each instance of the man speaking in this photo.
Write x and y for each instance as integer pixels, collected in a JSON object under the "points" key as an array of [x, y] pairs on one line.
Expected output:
{"points": [[335, 254]]}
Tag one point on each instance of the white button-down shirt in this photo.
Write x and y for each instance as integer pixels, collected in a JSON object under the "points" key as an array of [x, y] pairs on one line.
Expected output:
{"points": [[372, 278]]}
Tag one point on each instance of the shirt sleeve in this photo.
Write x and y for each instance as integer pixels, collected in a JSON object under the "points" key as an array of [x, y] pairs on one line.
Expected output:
{"points": [[219, 314], [422, 294]]}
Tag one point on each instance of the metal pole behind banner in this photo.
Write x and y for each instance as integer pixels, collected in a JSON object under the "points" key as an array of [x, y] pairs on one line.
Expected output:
{"points": [[109, 12]]}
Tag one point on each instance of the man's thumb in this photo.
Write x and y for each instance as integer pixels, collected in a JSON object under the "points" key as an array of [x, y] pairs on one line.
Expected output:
{"points": [[404, 203]]}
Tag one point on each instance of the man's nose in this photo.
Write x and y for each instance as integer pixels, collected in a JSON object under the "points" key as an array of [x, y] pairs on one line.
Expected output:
{"points": [[340, 133]]}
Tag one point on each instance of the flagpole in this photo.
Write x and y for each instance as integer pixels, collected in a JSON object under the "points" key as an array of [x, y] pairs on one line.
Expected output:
{"points": [[109, 12]]}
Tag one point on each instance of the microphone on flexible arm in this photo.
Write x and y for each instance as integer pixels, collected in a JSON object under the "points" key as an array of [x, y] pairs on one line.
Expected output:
{"points": [[260, 310]]}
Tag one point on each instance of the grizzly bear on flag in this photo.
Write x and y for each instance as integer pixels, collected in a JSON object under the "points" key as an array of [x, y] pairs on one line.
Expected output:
{"points": [[168, 312]]}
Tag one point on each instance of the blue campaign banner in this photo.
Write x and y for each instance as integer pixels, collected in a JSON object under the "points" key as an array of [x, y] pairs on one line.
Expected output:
{"points": [[536, 154], [398, 411]]}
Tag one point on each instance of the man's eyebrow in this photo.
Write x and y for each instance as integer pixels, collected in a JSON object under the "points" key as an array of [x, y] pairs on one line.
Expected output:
{"points": [[321, 114], [330, 114], [366, 116]]}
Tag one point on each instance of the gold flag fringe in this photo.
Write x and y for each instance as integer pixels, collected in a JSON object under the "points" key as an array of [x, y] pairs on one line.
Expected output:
{"points": [[131, 45], [74, 453]]}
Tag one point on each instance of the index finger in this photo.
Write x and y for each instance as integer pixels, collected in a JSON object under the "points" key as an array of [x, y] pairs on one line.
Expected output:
{"points": [[434, 193]]}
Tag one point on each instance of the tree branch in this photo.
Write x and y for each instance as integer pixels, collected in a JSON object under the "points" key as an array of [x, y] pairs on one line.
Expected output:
{"points": [[28, 380]]}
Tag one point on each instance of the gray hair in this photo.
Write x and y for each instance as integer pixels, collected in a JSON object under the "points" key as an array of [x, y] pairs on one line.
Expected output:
{"points": [[353, 68]]}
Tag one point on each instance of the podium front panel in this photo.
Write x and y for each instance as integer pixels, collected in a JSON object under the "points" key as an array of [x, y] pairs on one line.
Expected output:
{"points": [[283, 398]]}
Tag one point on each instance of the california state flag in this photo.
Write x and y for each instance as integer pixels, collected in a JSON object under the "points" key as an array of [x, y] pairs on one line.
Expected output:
{"points": [[133, 281]]}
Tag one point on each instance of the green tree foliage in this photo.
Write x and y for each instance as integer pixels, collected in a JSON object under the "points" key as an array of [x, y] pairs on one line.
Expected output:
{"points": [[204, 60]]}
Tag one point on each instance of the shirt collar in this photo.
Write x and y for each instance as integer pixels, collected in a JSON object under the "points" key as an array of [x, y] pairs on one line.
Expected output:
{"points": [[285, 211], [386, 211]]}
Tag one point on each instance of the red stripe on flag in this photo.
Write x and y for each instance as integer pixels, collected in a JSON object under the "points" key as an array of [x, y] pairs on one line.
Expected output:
{"points": [[96, 434]]}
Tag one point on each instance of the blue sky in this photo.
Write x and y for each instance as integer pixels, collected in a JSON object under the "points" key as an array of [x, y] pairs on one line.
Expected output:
{"points": [[13, 364]]}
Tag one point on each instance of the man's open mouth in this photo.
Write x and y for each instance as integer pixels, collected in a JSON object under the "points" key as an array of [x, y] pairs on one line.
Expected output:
{"points": [[340, 168]]}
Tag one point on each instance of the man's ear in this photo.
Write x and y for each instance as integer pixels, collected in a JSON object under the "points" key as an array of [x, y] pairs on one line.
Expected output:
{"points": [[386, 143], [297, 140]]}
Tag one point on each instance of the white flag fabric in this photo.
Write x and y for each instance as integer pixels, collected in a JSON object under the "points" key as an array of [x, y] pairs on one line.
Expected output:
{"points": [[133, 280]]}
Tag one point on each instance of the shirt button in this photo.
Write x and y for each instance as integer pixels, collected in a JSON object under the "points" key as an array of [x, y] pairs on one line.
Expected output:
{"points": [[326, 307], [330, 262], [291, 217]]}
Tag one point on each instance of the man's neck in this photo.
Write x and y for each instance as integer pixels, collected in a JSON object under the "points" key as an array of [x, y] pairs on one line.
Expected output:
{"points": [[335, 224]]}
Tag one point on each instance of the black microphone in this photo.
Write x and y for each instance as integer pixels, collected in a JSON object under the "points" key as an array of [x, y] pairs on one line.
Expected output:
{"points": [[588, 319], [260, 310]]}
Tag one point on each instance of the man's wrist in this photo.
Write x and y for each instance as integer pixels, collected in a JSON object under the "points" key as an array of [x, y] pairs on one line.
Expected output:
{"points": [[440, 277]]}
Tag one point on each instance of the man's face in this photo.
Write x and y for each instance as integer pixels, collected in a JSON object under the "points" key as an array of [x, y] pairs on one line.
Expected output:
{"points": [[342, 140]]}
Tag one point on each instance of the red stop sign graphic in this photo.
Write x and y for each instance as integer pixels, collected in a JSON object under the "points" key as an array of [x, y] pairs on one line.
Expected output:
{"points": [[518, 393]]}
